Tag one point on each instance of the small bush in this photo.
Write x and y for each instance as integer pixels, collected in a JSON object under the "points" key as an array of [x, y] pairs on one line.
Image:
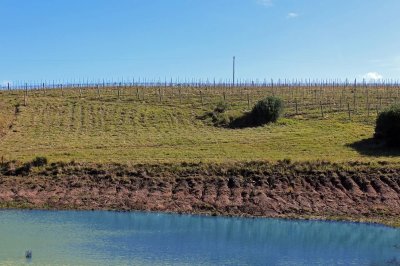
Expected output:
{"points": [[218, 117], [221, 107], [221, 120], [267, 110], [39, 161], [24, 170], [17, 108], [7, 168], [388, 126]]}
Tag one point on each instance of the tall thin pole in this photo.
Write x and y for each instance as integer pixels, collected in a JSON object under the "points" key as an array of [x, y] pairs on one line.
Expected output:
{"points": [[233, 72]]}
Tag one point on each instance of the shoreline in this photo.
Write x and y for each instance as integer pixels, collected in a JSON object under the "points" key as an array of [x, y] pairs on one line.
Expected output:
{"points": [[284, 190], [392, 223]]}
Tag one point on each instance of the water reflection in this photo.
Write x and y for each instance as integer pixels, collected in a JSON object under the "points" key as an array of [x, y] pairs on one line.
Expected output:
{"points": [[95, 238]]}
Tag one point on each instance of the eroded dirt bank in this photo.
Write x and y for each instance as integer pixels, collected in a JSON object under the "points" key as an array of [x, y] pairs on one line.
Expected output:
{"points": [[303, 190]]}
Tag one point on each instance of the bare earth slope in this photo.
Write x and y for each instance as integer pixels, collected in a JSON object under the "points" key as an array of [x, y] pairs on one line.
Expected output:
{"points": [[252, 189]]}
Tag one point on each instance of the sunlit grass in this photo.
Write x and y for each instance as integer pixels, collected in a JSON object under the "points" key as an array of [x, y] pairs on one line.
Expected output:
{"points": [[131, 130]]}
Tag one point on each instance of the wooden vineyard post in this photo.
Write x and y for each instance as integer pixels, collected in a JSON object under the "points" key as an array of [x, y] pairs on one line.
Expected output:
{"points": [[292, 94], [368, 109], [160, 94], [272, 87], [315, 96], [98, 91], [342, 96], [387, 92], [248, 101], [322, 109], [44, 88], [201, 98], [224, 95], [26, 95], [119, 93], [348, 109], [80, 91], [62, 91], [137, 93], [143, 91], [296, 104]]}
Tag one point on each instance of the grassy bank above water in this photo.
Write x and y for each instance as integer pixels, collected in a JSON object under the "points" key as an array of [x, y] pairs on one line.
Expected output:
{"points": [[128, 130], [141, 152]]}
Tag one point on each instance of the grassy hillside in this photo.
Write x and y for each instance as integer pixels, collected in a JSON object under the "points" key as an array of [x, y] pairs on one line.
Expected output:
{"points": [[151, 128], [7, 115]]}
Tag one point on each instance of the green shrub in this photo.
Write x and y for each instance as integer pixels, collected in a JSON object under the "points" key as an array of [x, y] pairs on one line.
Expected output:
{"points": [[17, 108], [388, 126], [218, 117], [267, 110], [221, 120], [221, 107], [24, 170], [7, 167], [39, 161]]}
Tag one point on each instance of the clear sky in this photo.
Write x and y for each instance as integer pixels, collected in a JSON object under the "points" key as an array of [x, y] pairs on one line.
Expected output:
{"points": [[95, 39]]}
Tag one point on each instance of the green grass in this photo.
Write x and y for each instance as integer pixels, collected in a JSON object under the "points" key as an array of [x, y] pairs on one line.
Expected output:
{"points": [[7, 111], [130, 130]]}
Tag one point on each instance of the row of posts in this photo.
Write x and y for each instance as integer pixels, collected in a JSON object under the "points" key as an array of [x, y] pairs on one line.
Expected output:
{"points": [[160, 94]]}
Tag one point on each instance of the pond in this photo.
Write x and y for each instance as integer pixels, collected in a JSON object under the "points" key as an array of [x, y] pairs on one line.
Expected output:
{"points": [[135, 238]]}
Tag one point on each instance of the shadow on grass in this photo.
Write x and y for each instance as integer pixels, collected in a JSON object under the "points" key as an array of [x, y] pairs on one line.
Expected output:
{"points": [[374, 147], [242, 122], [229, 122], [247, 120]]}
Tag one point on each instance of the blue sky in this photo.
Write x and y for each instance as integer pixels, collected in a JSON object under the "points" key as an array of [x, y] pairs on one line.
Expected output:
{"points": [[94, 39]]}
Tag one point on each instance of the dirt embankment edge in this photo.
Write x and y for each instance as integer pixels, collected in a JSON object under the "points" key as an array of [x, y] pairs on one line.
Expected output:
{"points": [[357, 192]]}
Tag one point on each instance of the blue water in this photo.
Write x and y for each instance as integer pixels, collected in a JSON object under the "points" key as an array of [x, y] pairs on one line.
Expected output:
{"points": [[112, 238]]}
